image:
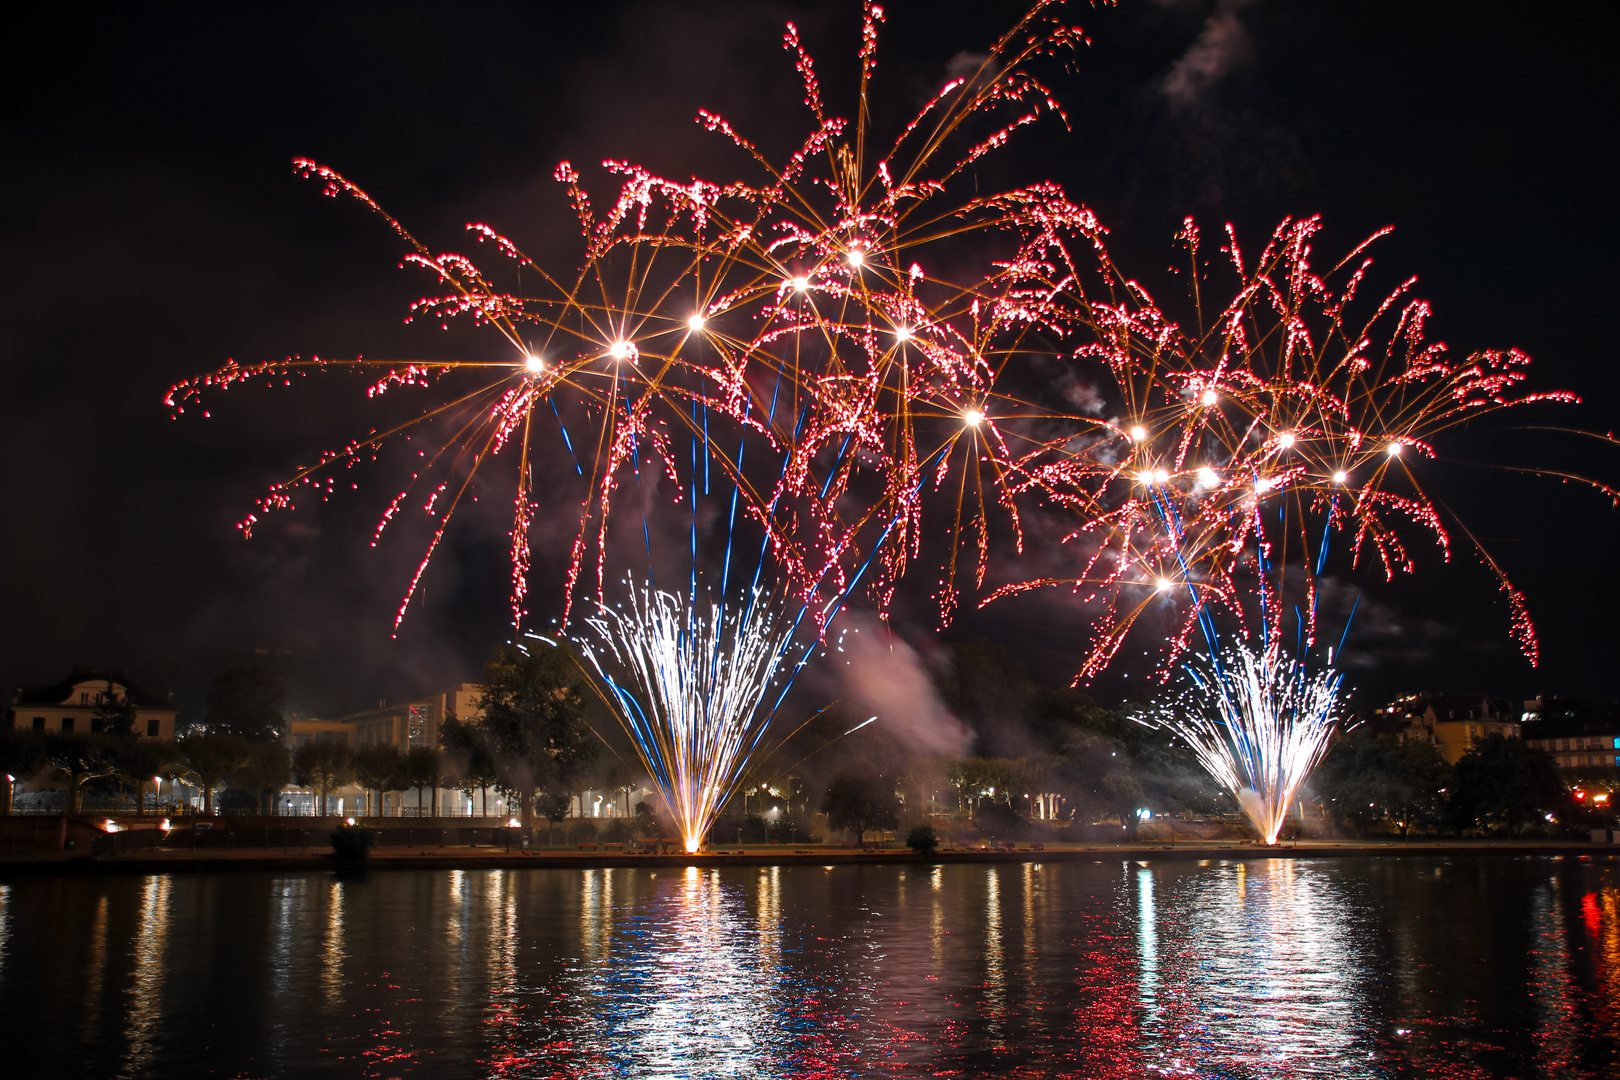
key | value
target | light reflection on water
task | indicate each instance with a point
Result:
(1275, 968)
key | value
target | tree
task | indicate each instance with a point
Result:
(139, 761)
(379, 768)
(860, 802)
(114, 714)
(322, 764)
(1122, 794)
(422, 768)
(247, 702)
(22, 754)
(84, 758)
(1507, 780)
(534, 716)
(468, 758)
(266, 771)
(209, 758)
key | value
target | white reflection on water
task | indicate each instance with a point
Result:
(332, 954)
(90, 1030)
(1552, 984)
(687, 987)
(1255, 967)
(5, 926)
(144, 1024)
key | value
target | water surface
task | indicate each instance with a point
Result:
(1450, 967)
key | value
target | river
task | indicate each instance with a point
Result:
(1468, 966)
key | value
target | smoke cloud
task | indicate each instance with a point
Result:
(884, 676)
(1223, 45)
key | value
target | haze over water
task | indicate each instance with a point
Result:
(1453, 967)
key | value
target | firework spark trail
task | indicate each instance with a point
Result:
(893, 411)
(688, 687)
(1258, 724)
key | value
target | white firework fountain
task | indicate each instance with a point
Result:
(1259, 724)
(690, 689)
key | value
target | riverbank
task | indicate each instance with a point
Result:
(494, 858)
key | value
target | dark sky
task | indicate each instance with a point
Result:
(152, 228)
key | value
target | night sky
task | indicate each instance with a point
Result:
(152, 228)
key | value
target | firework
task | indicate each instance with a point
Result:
(1253, 435)
(878, 401)
(690, 688)
(1258, 723)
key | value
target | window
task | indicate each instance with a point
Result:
(153, 727)
(1617, 742)
(67, 723)
(84, 698)
(39, 725)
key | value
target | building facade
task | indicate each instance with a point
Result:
(76, 705)
(1578, 735)
(1453, 723)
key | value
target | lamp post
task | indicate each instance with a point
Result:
(157, 793)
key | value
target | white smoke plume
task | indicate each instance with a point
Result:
(883, 676)
(1223, 44)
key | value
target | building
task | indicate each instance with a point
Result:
(408, 724)
(1578, 735)
(1453, 723)
(74, 704)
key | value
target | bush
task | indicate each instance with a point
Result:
(582, 831)
(616, 831)
(352, 843)
(922, 840)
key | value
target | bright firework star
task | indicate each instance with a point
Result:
(690, 689)
(1258, 724)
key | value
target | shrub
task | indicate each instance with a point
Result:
(616, 831)
(352, 843)
(922, 840)
(582, 831)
